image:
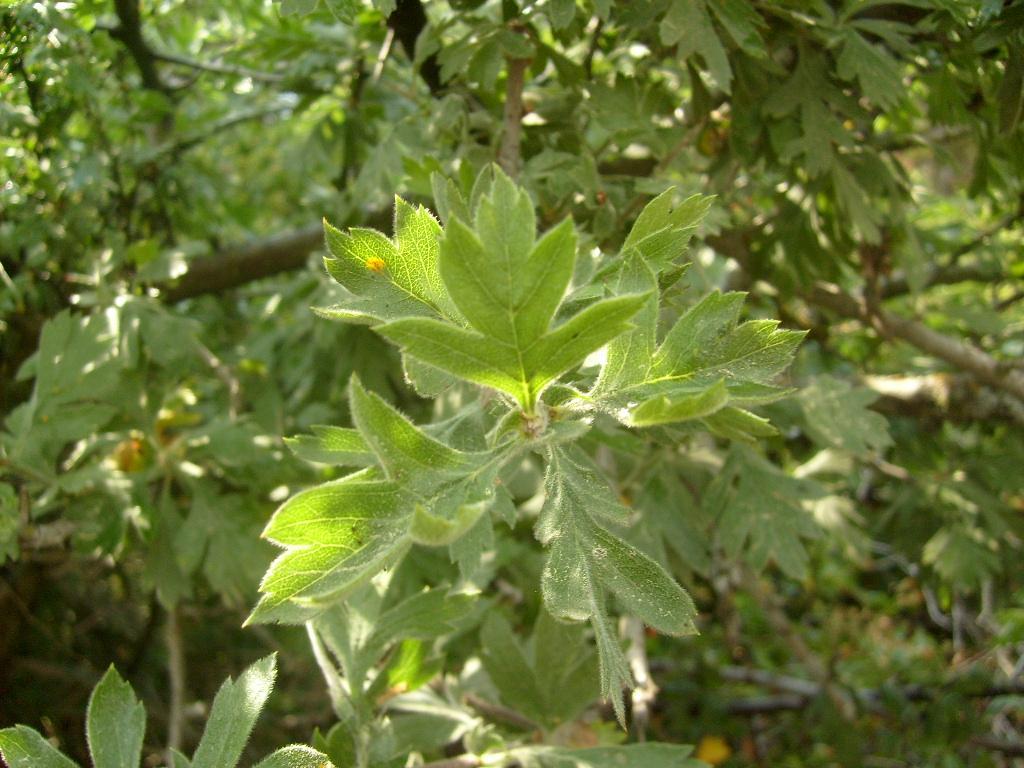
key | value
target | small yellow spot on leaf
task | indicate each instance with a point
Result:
(713, 750)
(375, 264)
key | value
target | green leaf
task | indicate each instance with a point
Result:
(706, 343)
(741, 20)
(435, 530)
(569, 344)
(298, 7)
(964, 555)
(428, 381)
(388, 278)
(629, 354)
(463, 353)
(9, 523)
(706, 361)
(739, 424)
(509, 288)
(344, 10)
(876, 71)
(341, 533)
(808, 95)
(115, 723)
(338, 535)
(423, 616)
(411, 458)
(837, 416)
(506, 294)
(760, 514)
(233, 715)
(332, 445)
(683, 407)
(509, 668)
(673, 521)
(688, 26)
(448, 489)
(662, 230)
(295, 756)
(411, 668)
(586, 558)
(634, 755)
(1011, 90)
(561, 12)
(856, 204)
(24, 747)
(550, 679)
(565, 668)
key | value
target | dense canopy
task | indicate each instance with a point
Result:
(549, 383)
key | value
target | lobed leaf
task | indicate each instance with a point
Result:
(338, 535)
(233, 714)
(115, 723)
(388, 278)
(760, 514)
(707, 361)
(586, 559)
(508, 286)
(837, 416)
(24, 747)
(295, 756)
(408, 455)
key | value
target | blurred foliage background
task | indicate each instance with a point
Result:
(164, 170)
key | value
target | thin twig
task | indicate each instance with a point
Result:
(995, 744)
(382, 54)
(784, 629)
(217, 68)
(783, 683)
(176, 680)
(509, 156)
(645, 691)
(498, 713)
(593, 45)
(684, 141)
(1009, 301)
(898, 285)
(226, 375)
(190, 142)
(982, 237)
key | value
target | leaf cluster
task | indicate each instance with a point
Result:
(484, 300)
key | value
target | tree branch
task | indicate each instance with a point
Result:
(995, 744)
(216, 68)
(509, 157)
(129, 32)
(176, 681)
(954, 397)
(498, 713)
(780, 624)
(958, 353)
(189, 142)
(796, 693)
(242, 264)
(956, 273)
(645, 691)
